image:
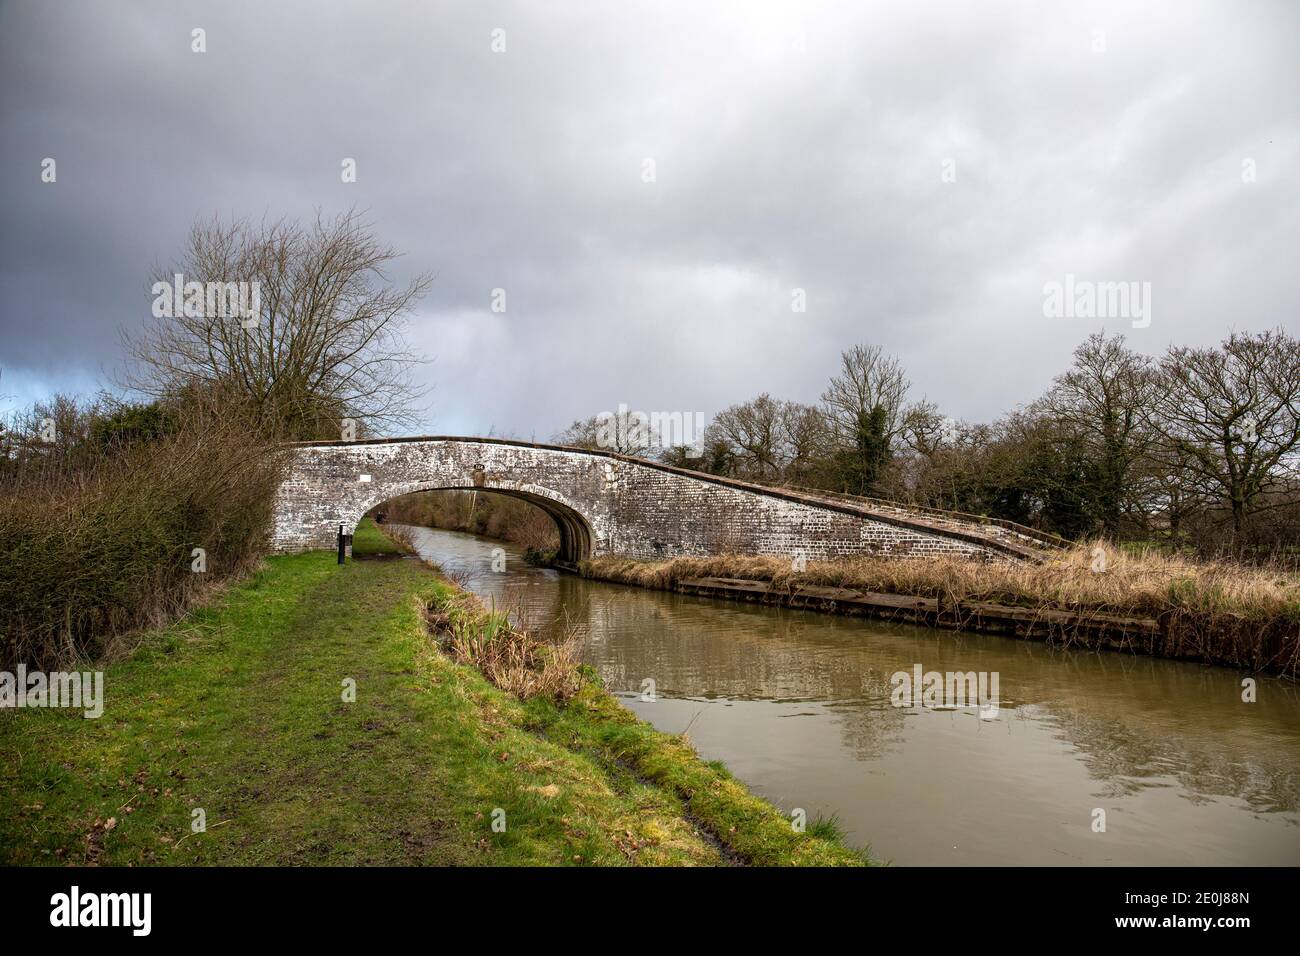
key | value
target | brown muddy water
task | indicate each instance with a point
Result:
(801, 707)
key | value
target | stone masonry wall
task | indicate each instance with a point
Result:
(604, 504)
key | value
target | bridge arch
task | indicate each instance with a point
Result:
(574, 529)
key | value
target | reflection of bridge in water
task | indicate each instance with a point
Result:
(605, 503)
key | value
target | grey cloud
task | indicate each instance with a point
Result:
(795, 146)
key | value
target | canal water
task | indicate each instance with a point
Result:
(798, 705)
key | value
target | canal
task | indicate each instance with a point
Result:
(798, 705)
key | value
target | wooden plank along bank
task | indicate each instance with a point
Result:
(1144, 635)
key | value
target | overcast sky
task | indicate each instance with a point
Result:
(794, 146)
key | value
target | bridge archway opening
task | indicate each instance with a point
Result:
(572, 531)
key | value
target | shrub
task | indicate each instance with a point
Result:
(98, 537)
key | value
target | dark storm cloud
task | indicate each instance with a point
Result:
(795, 146)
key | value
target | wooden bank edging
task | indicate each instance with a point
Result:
(1091, 630)
(1105, 629)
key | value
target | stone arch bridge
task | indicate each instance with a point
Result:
(606, 503)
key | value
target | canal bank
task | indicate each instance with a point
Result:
(1093, 599)
(798, 705)
(306, 717)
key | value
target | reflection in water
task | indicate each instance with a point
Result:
(798, 706)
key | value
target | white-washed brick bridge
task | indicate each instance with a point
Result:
(605, 503)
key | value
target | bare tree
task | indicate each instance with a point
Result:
(806, 434)
(1233, 415)
(1167, 500)
(868, 378)
(754, 431)
(768, 440)
(926, 429)
(626, 432)
(865, 406)
(321, 339)
(1102, 403)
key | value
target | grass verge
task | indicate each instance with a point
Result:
(567, 704)
(369, 542)
(238, 710)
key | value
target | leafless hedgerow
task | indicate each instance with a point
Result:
(127, 518)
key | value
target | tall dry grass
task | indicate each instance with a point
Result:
(507, 655)
(1239, 615)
